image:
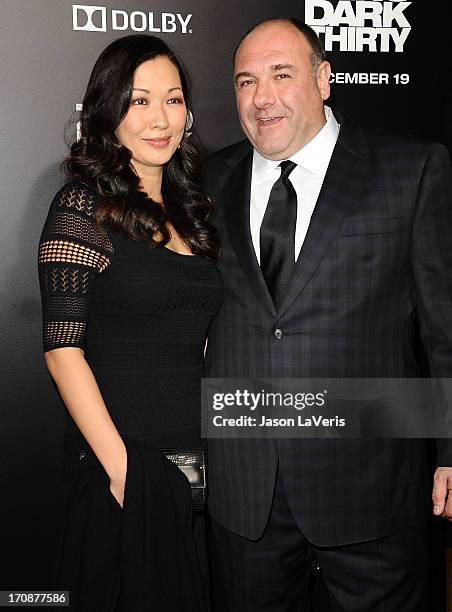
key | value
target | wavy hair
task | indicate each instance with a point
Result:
(102, 161)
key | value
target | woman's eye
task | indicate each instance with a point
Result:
(175, 101)
(139, 101)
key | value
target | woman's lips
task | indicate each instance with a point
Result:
(158, 142)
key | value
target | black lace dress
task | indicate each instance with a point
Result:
(139, 312)
(141, 315)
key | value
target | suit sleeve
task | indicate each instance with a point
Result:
(432, 269)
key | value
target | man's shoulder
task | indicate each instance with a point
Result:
(228, 156)
(382, 141)
(385, 141)
(406, 155)
(219, 166)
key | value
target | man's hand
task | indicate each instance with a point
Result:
(442, 492)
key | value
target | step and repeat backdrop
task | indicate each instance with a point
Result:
(390, 69)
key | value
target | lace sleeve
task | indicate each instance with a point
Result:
(73, 251)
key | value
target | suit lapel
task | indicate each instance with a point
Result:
(237, 220)
(348, 172)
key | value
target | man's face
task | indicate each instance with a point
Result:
(279, 97)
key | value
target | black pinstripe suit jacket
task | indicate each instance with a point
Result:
(374, 276)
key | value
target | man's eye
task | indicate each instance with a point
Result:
(245, 83)
(282, 76)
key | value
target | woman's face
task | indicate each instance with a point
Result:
(154, 124)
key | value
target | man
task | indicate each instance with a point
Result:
(336, 253)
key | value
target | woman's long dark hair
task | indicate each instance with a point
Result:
(98, 157)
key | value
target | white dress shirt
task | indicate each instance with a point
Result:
(307, 178)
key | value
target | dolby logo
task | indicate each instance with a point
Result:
(90, 18)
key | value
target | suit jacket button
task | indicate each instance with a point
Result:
(278, 333)
(315, 566)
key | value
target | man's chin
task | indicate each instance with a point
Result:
(273, 153)
(270, 148)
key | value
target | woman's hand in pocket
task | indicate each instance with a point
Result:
(118, 477)
(117, 489)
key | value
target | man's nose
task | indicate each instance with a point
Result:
(264, 95)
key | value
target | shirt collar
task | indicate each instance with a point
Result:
(314, 156)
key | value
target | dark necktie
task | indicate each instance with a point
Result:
(277, 234)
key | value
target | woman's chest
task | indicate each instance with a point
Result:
(144, 278)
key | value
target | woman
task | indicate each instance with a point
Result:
(126, 260)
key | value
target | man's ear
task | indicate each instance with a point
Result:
(323, 79)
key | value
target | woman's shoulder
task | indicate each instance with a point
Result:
(77, 196)
(72, 218)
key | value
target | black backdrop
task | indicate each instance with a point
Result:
(48, 48)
